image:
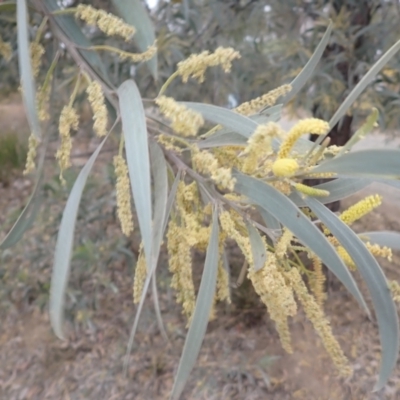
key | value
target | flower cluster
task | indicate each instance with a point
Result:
(124, 208)
(107, 23)
(196, 65)
(183, 121)
(96, 100)
(69, 120)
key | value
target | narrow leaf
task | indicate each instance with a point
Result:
(135, 324)
(25, 69)
(160, 195)
(257, 247)
(380, 162)
(271, 223)
(364, 82)
(134, 13)
(65, 238)
(290, 216)
(375, 279)
(227, 118)
(308, 70)
(201, 313)
(137, 156)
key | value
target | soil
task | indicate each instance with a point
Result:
(241, 357)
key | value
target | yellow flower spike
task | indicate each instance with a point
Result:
(107, 23)
(205, 162)
(30, 159)
(344, 255)
(311, 191)
(270, 285)
(379, 251)
(308, 125)
(268, 99)
(283, 243)
(37, 51)
(140, 276)
(5, 50)
(258, 146)
(223, 291)
(285, 167)
(229, 228)
(183, 120)
(69, 120)
(317, 281)
(319, 321)
(180, 265)
(395, 289)
(97, 102)
(196, 65)
(124, 208)
(358, 210)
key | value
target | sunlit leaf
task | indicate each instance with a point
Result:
(201, 314)
(374, 277)
(137, 157)
(134, 13)
(284, 210)
(63, 253)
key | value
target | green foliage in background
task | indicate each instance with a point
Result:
(201, 175)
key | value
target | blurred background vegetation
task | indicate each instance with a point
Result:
(275, 38)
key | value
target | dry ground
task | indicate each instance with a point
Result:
(241, 357)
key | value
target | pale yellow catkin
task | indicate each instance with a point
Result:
(5, 50)
(395, 289)
(317, 281)
(223, 292)
(107, 23)
(69, 120)
(184, 121)
(97, 103)
(308, 125)
(180, 265)
(123, 193)
(319, 321)
(206, 163)
(30, 159)
(259, 146)
(265, 100)
(140, 276)
(37, 51)
(196, 65)
(270, 285)
(360, 209)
